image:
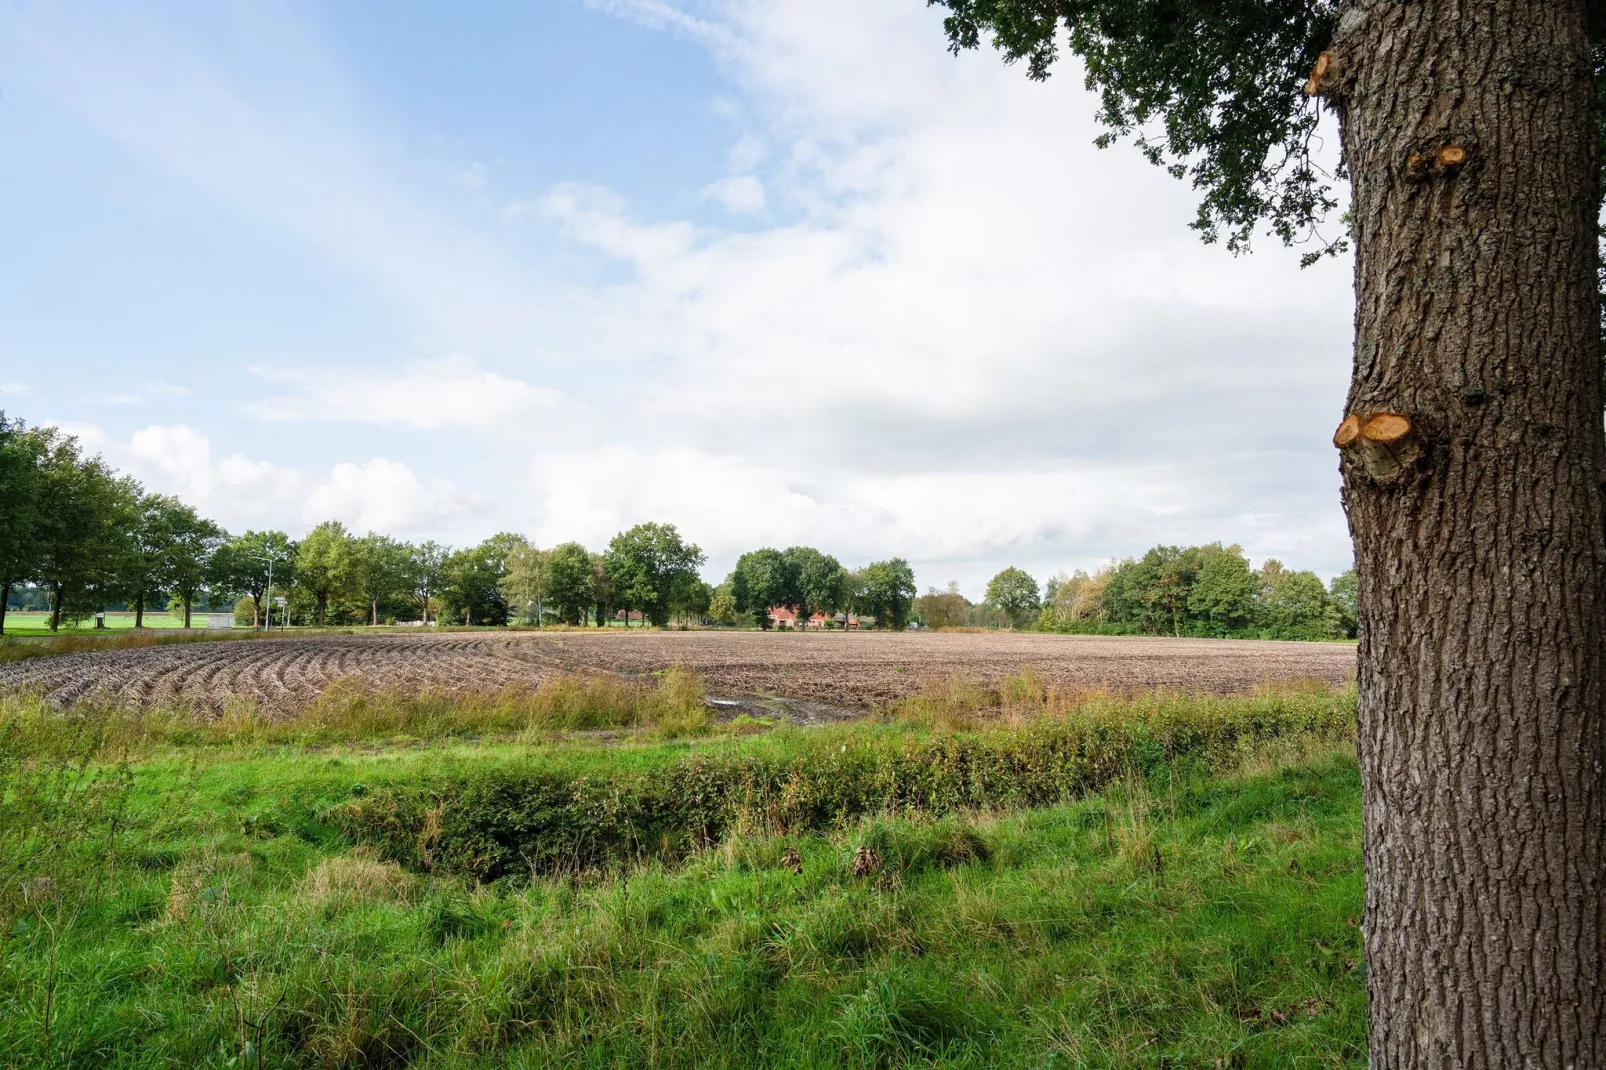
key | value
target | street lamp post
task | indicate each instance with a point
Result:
(267, 599)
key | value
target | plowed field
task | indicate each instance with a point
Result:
(848, 671)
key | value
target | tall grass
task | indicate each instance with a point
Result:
(14, 648)
(957, 702)
(352, 711)
(535, 817)
(1182, 924)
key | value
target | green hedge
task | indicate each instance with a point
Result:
(533, 820)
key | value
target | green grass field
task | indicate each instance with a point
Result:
(22, 623)
(1173, 882)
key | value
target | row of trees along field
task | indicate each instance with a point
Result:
(807, 581)
(76, 537)
(334, 577)
(1197, 591)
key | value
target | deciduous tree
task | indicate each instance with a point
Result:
(818, 581)
(943, 609)
(192, 542)
(1014, 592)
(85, 514)
(1223, 592)
(646, 563)
(764, 579)
(242, 566)
(324, 564)
(21, 453)
(379, 571)
(1472, 450)
(886, 591)
(570, 581)
(426, 572)
(526, 586)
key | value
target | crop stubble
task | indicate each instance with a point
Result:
(842, 670)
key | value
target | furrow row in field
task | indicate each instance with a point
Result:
(852, 670)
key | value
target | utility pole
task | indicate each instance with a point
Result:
(267, 599)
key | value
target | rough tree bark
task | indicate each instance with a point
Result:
(1469, 130)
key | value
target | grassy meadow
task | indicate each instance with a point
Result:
(30, 622)
(592, 873)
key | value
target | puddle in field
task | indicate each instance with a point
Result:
(797, 711)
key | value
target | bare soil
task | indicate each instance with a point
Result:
(805, 677)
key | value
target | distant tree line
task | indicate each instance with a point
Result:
(1207, 591)
(76, 537)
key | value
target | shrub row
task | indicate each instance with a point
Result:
(529, 819)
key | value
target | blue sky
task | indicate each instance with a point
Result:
(777, 272)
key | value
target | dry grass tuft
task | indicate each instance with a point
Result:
(354, 880)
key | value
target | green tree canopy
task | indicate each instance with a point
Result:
(1342, 592)
(426, 573)
(380, 572)
(1295, 605)
(818, 581)
(192, 542)
(86, 512)
(943, 609)
(324, 563)
(571, 583)
(21, 455)
(764, 578)
(886, 591)
(473, 579)
(646, 563)
(1209, 89)
(1223, 591)
(244, 564)
(1014, 592)
(526, 585)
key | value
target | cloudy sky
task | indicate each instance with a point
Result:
(774, 270)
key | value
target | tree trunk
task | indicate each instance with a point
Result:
(187, 600)
(374, 620)
(139, 610)
(55, 607)
(5, 596)
(1481, 549)
(323, 606)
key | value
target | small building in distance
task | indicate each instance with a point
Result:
(786, 617)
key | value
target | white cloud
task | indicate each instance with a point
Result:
(953, 330)
(15, 390)
(738, 193)
(453, 392)
(974, 335)
(168, 389)
(240, 492)
(386, 496)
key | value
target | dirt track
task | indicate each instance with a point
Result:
(851, 670)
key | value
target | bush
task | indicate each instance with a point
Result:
(490, 824)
